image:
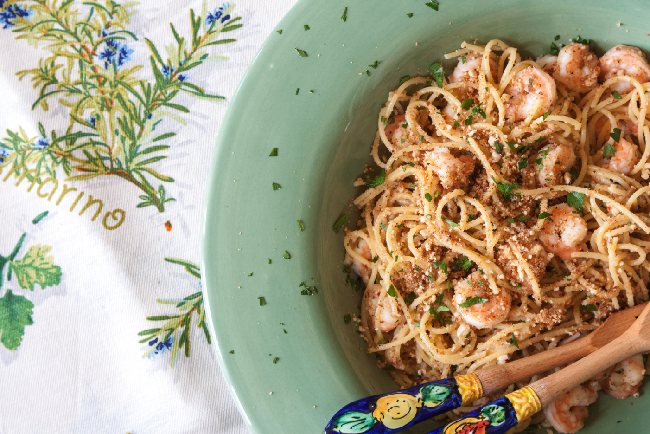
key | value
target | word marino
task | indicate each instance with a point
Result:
(49, 187)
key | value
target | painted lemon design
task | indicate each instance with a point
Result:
(396, 411)
(470, 425)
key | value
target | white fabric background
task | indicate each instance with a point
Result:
(79, 368)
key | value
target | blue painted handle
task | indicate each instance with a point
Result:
(496, 417)
(393, 412)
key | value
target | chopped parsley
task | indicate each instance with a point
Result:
(275, 360)
(375, 259)
(513, 341)
(377, 180)
(274, 152)
(523, 163)
(451, 223)
(506, 189)
(276, 186)
(428, 216)
(428, 197)
(410, 14)
(286, 255)
(309, 290)
(469, 120)
(511, 146)
(616, 134)
(471, 301)
(430, 276)
(442, 265)
(391, 291)
(404, 79)
(280, 31)
(340, 222)
(589, 307)
(609, 151)
(384, 121)
(545, 215)
(231, 352)
(580, 40)
(262, 301)
(464, 263)
(433, 4)
(344, 17)
(438, 73)
(250, 274)
(557, 37)
(499, 147)
(436, 194)
(347, 319)
(545, 115)
(306, 27)
(302, 53)
(466, 104)
(410, 297)
(302, 227)
(463, 59)
(616, 95)
(575, 199)
(574, 173)
(555, 49)
(383, 226)
(269, 261)
(620, 371)
(375, 65)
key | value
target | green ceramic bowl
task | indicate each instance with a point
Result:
(323, 135)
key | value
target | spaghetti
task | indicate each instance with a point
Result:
(510, 213)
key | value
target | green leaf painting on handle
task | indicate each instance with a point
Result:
(35, 267)
(115, 113)
(174, 334)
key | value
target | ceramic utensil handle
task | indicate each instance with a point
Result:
(392, 412)
(498, 416)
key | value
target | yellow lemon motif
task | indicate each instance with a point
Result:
(396, 411)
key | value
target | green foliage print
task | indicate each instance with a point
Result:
(35, 267)
(174, 333)
(115, 115)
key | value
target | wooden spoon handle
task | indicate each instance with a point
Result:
(550, 388)
(498, 377)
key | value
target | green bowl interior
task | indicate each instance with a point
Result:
(323, 139)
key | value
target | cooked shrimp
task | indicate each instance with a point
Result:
(623, 157)
(547, 63)
(626, 378)
(393, 354)
(624, 60)
(481, 315)
(532, 91)
(564, 233)
(453, 172)
(556, 160)
(362, 270)
(468, 69)
(577, 68)
(391, 316)
(568, 413)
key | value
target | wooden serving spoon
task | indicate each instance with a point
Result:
(392, 412)
(504, 413)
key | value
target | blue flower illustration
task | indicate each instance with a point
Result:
(4, 153)
(161, 347)
(11, 13)
(92, 121)
(167, 72)
(217, 14)
(41, 144)
(115, 53)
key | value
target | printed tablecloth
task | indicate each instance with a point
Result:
(109, 111)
